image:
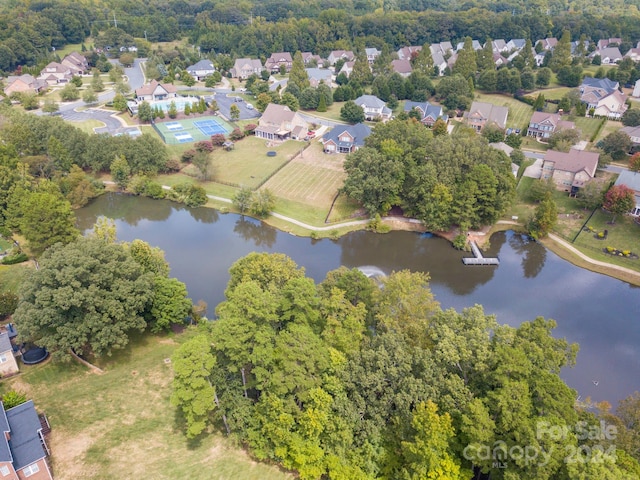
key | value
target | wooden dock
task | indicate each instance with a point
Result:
(478, 258)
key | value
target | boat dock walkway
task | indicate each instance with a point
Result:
(477, 258)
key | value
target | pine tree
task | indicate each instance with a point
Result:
(361, 71)
(562, 53)
(423, 63)
(484, 57)
(322, 104)
(298, 75)
(466, 63)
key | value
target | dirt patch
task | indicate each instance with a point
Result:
(68, 451)
(168, 341)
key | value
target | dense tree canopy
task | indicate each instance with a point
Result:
(347, 380)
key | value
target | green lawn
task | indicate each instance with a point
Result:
(519, 112)
(88, 125)
(588, 126)
(332, 113)
(121, 425)
(624, 234)
(610, 126)
(555, 93)
(12, 275)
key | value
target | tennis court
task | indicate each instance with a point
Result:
(188, 130)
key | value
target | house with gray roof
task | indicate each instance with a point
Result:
(608, 55)
(279, 123)
(23, 449)
(474, 43)
(603, 98)
(402, 67)
(243, 68)
(319, 75)
(372, 54)
(516, 44)
(429, 113)
(276, 60)
(201, 70)
(482, 114)
(373, 107)
(8, 364)
(570, 170)
(345, 138)
(631, 180)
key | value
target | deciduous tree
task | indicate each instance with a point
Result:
(619, 200)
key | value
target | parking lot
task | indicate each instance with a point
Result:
(226, 99)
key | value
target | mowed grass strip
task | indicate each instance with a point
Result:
(588, 126)
(306, 183)
(519, 112)
(122, 425)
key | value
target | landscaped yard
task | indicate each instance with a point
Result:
(519, 112)
(550, 93)
(588, 126)
(121, 425)
(12, 275)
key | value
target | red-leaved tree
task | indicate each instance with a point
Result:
(619, 200)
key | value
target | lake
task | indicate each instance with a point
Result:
(600, 313)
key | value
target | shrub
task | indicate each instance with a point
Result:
(460, 242)
(218, 139)
(236, 135)
(13, 398)
(8, 303)
(13, 259)
(626, 253)
(204, 146)
(611, 249)
(153, 190)
(188, 155)
(172, 165)
(250, 128)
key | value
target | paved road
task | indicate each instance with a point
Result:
(113, 125)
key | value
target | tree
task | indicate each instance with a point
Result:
(50, 107)
(120, 171)
(298, 75)
(242, 200)
(151, 259)
(145, 113)
(89, 96)
(120, 103)
(187, 79)
(361, 72)
(169, 304)
(322, 104)
(262, 203)
(290, 101)
(544, 218)
(172, 112)
(543, 77)
(454, 92)
(493, 133)
(634, 162)
(562, 140)
(69, 93)
(126, 59)
(561, 53)
(619, 200)
(352, 113)
(202, 162)
(193, 391)
(590, 196)
(513, 140)
(484, 57)
(616, 144)
(488, 81)
(12, 399)
(423, 62)
(466, 62)
(309, 99)
(631, 118)
(96, 83)
(86, 298)
(539, 102)
(234, 112)
(44, 218)
(439, 127)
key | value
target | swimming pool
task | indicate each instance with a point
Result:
(179, 101)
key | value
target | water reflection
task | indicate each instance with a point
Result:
(598, 312)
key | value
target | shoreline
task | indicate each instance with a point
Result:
(481, 237)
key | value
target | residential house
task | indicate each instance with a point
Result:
(574, 46)
(373, 107)
(608, 42)
(77, 63)
(439, 53)
(8, 364)
(631, 180)
(243, 68)
(539, 57)
(482, 114)
(130, 48)
(310, 58)
(499, 46)
(335, 55)
(634, 135)
(499, 60)
(23, 449)
(634, 53)
(372, 54)
(318, 76)
(636, 89)
(279, 123)
(548, 43)
(403, 67)
(429, 113)
(439, 62)
(409, 53)
(55, 73)
(570, 170)
(155, 91)
(609, 55)
(201, 70)
(276, 60)
(347, 68)
(474, 43)
(603, 98)
(516, 44)
(24, 84)
(345, 138)
(543, 125)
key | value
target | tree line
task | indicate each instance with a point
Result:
(348, 379)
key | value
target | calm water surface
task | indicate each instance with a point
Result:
(600, 313)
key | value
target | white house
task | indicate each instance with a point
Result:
(201, 70)
(373, 107)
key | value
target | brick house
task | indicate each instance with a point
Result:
(571, 170)
(543, 125)
(278, 122)
(482, 114)
(243, 68)
(276, 60)
(345, 138)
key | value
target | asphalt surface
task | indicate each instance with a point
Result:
(226, 98)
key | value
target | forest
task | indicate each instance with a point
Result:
(353, 379)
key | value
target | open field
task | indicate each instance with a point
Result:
(519, 112)
(550, 93)
(12, 275)
(121, 424)
(87, 126)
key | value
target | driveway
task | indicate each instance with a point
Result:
(225, 100)
(535, 170)
(113, 126)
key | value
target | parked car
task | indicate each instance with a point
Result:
(249, 106)
(311, 134)
(238, 99)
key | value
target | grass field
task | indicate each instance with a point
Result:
(12, 275)
(588, 126)
(519, 112)
(551, 93)
(121, 424)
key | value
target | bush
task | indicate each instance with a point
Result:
(218, 139)
(153, 190)
(460, 242)
(13, 259)
(204, 146)
(250, 128)
(172, 165)
(13, 398)
(188, 155)
(8, 303)
(236, 135)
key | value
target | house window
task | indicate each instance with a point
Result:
(4, 470)
(3, 358)
(31, 470)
